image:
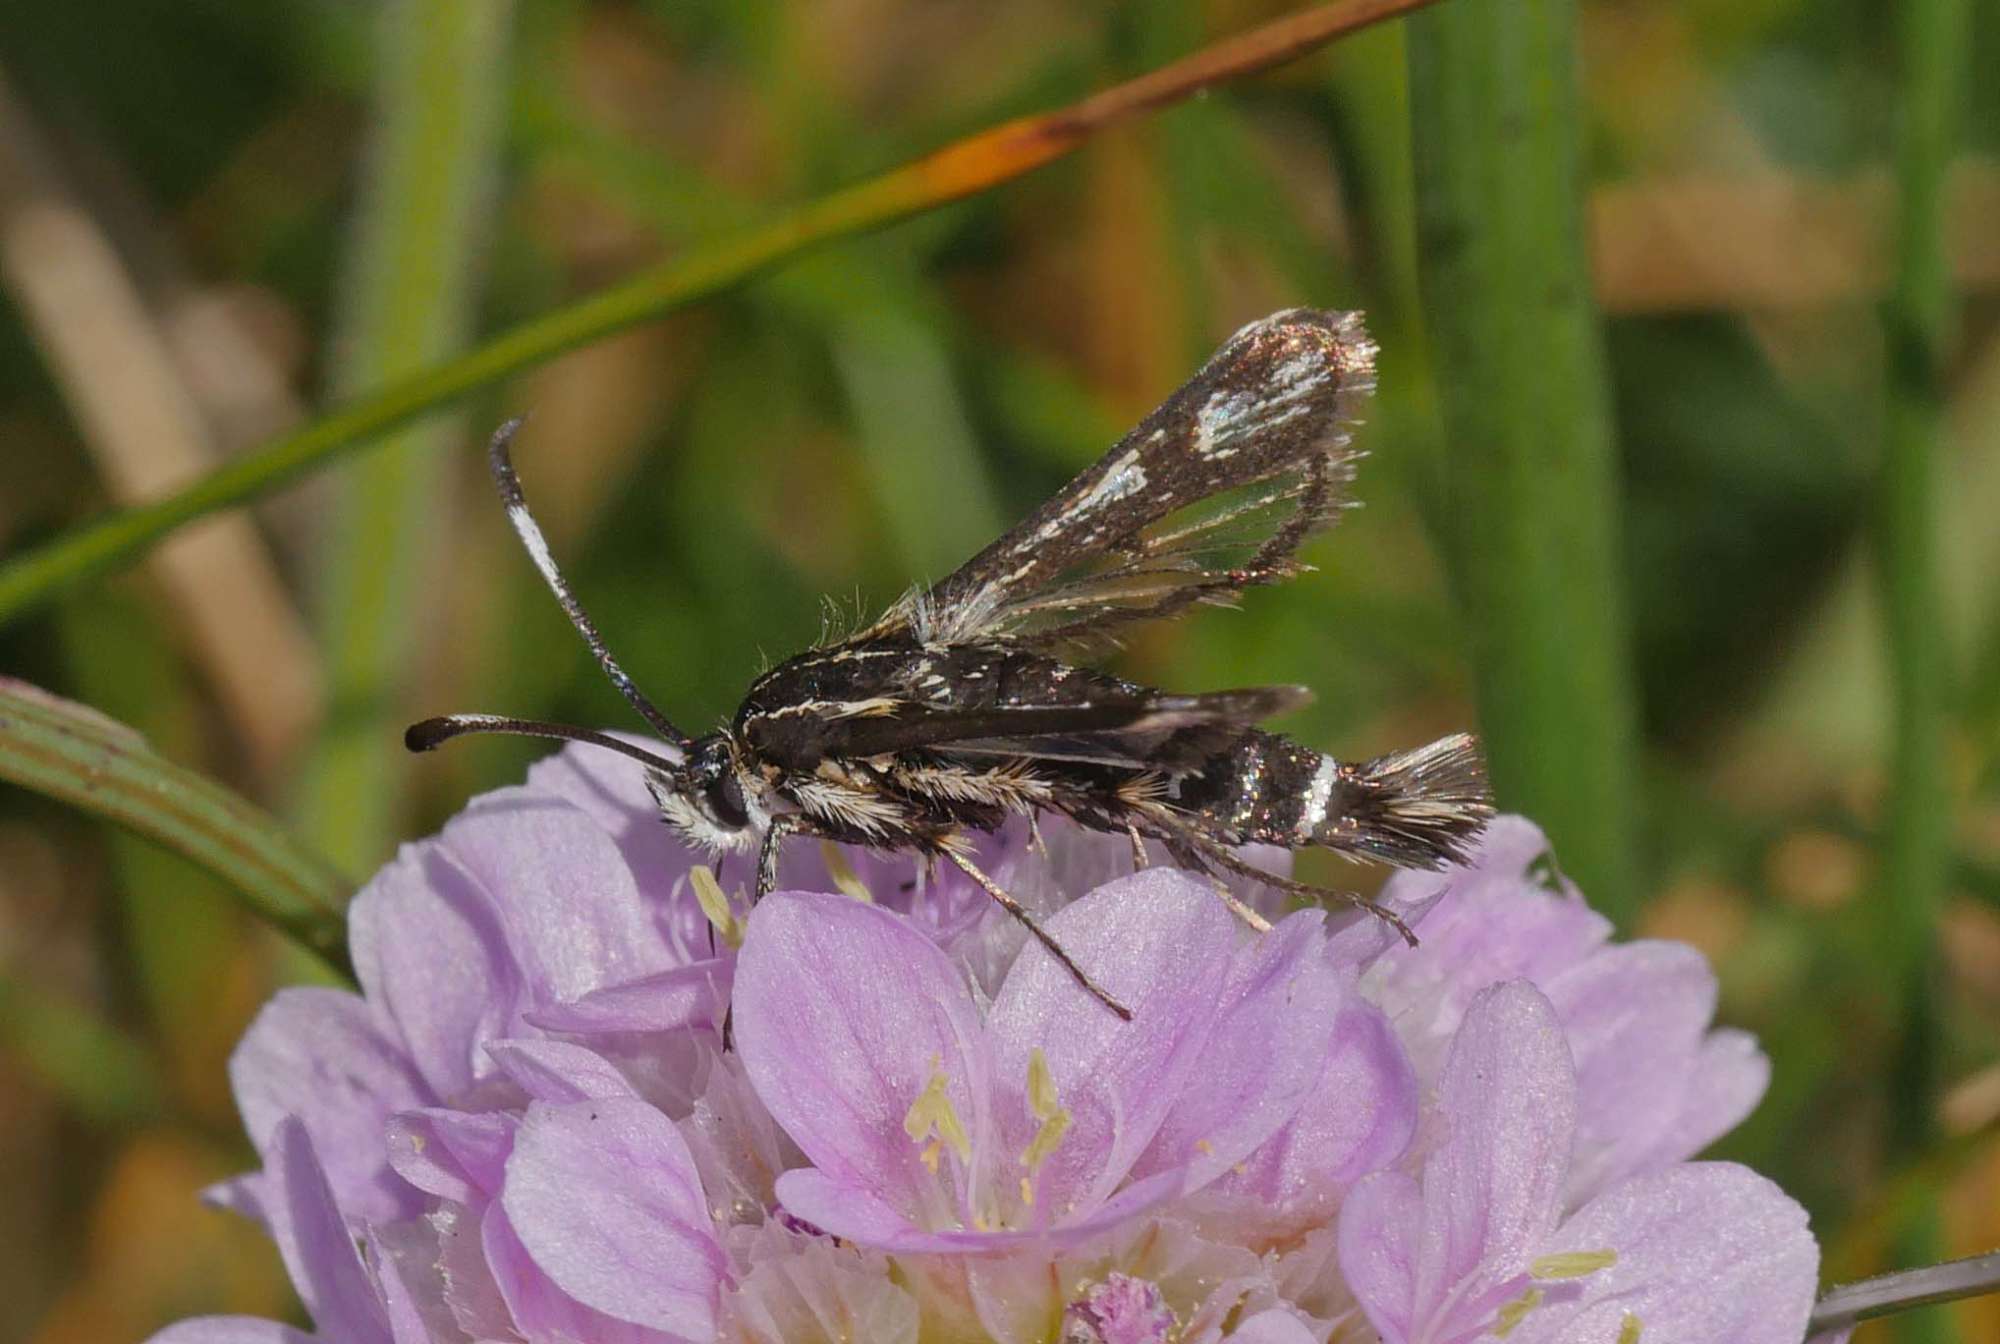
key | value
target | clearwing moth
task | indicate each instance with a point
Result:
(959, 707)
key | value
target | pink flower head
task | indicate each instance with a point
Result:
(529, 1127)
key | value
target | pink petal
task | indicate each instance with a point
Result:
(455, 1155)
(540, 1311)
(1162, 944)
(1273, 1327)
(605, 1198)
(230, 1330)
(855, 1213)
(323, 1055)
(672, 1000)
(843, 1015)
(1358, 938)
(399, 1301)
(1493, 1188)
(314, 1240)
(1267, 1054)
(1359, 1119)
(1379, 1228)
(1707, 1251)
(429, 953)
(1436, 1266)
(556, 1071)
(1729, 1078)
(610, 790)
(1634, 1015)
(565, 897)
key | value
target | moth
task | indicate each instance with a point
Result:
(961, 706)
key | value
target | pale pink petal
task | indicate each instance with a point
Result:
(1162, 944)
(854, 1213)
(604, 1196)
(1729, 1078)
(1634, 1015)
(844, 1014)
(1266, 1056)
(1491, 1190)
(857, 1215)
(323, 1055)
(1380, 1225)
(1707, 1251)
(1359, 1119)
(556, 1071)
(315, 1241)
(455, 1155)
(429, 953)
(610, 789)
(1273, 1327)
(229, 1330)
(537, 1310)
(565, 897)
(685, 997)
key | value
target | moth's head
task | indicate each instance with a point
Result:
(702, 797)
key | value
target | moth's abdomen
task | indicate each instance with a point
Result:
(1416, 809)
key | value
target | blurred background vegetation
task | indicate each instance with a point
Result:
(1772, 399)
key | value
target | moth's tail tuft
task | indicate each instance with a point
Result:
(1421, 808)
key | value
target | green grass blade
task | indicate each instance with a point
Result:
(1531, 507)
(961, 169)
(1916, 855)
(66, 751)
(416, 251)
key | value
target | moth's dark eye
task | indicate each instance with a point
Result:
(725, 800)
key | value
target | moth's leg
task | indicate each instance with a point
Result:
(1220, 855)
(1139, 859)
(1042, 935)
(1035, 842)
(782, 827)
(1189, 850)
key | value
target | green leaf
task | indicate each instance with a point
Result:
(68, 751)
(1531, 490)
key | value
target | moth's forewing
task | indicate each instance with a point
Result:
(1234, 454)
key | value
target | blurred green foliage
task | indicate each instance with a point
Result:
(871, 414)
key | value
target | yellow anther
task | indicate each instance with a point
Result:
(1628, 1333)
(930, 1155)
(1572, 1264)
(1514, 1312)
(1047, 1108)
(1042, 1098)
(932, 1113)
(845, 879)
(708, 894)
(1027, 1191)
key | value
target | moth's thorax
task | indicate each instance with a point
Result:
(791, 712)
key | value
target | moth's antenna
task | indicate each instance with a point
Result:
(537, 545)
(435, 732)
